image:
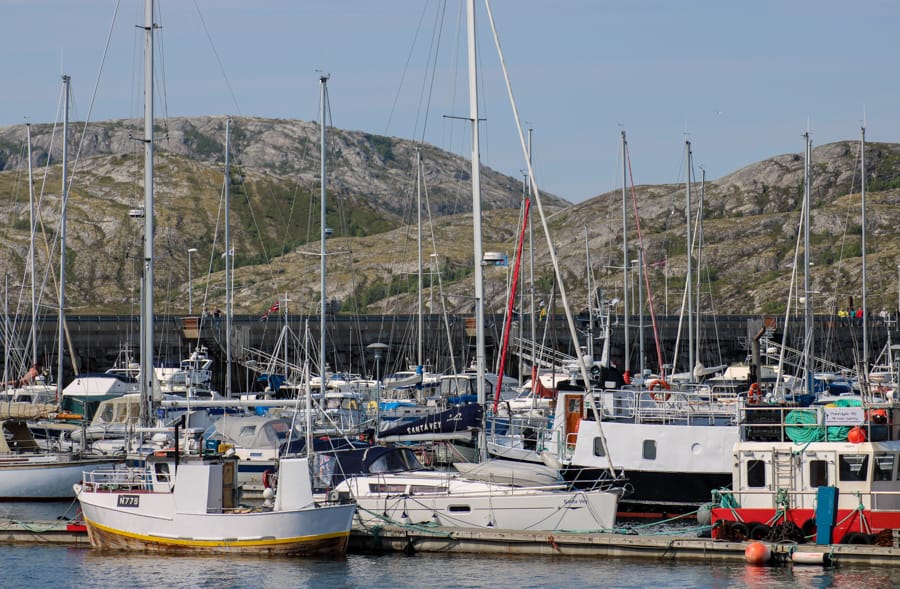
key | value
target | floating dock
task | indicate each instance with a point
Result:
(43, 532)
(412, 539)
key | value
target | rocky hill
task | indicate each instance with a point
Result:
(750, 224)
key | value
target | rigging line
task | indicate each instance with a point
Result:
(642, 258)
(441, 299)
(409, 56)
(536, 194)
(87, 120)
(212, 46)
(161, 80)
(246, 192)
(296, 191)
(435, 51)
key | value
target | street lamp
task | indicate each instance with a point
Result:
(191, 251)
(378, 349)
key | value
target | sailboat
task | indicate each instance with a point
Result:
(408, 494)
(188, 503)
(29, 471)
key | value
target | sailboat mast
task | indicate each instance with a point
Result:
(229, 257)
(533, 334)
(807, 302)
(62, 236)
(688, 273)
(31, 252)
(476, 206)
(699, 257)
(865, 307)
(625, 261)
(421, 289)
(147, 282)
(324, 96)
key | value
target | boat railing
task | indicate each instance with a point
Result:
(118, 480)
(787, 423)
(534, 433)
(666, 406)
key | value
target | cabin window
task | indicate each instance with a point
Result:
(756, 473)
(399, 489)
(599, 448)
(459, 509)
(853, 467)
(818, 473)
(649, 450)
(418, 489)
(162, 472)
(884, 467)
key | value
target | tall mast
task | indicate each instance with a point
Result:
(147, 282)
(476, 207)
(421, 301)
(31, 252)
(323, 98)
(865, 307)
(625, 260)
(229, 259)
(699, 258)
(62, 236)
(688, 272)
(807, 303)
(531, 258)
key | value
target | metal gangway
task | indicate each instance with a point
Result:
(793, 357)
(539, 354)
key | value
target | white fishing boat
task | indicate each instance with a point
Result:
(190, 504)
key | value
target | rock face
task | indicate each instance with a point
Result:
(749, 233)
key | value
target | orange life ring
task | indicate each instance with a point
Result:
(659, 384)
(754, 395)
(266, 478)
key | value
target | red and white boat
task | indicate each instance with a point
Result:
(786, 455)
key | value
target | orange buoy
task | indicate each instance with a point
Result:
(757, 553)
(856, 435)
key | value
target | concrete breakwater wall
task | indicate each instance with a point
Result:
(98, 340)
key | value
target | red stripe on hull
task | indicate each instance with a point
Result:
(848, 521)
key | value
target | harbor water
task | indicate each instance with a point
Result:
(31, 566)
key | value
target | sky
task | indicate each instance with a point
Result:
(741, 80)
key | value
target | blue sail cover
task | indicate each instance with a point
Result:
(458, 419)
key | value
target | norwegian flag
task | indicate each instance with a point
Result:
(273, 309)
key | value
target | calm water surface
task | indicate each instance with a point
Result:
(35, 567)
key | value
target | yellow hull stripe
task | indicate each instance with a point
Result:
(213, 543)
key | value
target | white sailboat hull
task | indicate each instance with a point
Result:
(437, 498)
(44, 477)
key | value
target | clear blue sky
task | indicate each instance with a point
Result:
(743, 79)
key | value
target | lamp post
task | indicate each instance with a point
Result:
(191, 251)
(378, 349)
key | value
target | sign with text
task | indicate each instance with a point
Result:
(129, 501)
(844, 416)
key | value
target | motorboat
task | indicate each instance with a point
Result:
(190, 504)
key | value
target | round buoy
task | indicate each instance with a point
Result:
(856, 435)
(757, 553)
(704, 514)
